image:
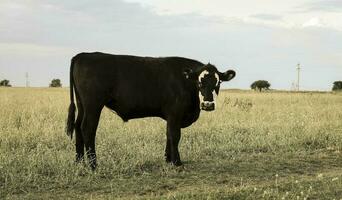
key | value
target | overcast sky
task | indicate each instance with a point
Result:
(260, 39)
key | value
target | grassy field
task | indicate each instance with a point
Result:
(254, 146)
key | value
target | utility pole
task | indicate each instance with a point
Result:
(298, 75)
(27, 79)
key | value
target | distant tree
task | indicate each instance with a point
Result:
(337, 86)
(56, 83)
(260, 85)
(5, 83)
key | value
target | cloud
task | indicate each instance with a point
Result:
(24, 49)
(322, 5)
(41, 36)
(287, 14)
(271, 17)
(313, 22)
(88, 24)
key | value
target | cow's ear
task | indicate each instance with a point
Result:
(189, 74)
(228, 75)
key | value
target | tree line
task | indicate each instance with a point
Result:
(259, 85)
(54, 83)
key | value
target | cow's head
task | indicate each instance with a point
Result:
(208, 80)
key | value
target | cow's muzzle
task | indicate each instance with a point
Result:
(208, 106)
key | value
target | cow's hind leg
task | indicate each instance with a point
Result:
(88, 127)
(79, 136)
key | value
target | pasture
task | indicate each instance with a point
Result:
(272, 145)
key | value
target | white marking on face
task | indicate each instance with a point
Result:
(201, 98)
(202, 74)
(217, 79)
(214, 97)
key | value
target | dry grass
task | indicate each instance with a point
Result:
(256, 145)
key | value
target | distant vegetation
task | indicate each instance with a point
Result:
(337, 86)
(5, 83)
(260, 85)
(55, 83)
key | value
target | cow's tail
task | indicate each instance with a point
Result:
(72, 108)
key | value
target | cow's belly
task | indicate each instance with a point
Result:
(187, 120)
(134, 112)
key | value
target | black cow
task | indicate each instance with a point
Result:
(172, 88)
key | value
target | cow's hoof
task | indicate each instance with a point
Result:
(167, 159)
(177, 163)
(93, 166)
(79, 159)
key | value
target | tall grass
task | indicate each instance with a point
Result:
(234, 152)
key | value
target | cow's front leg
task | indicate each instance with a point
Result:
(173, 137)
(167, 151)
